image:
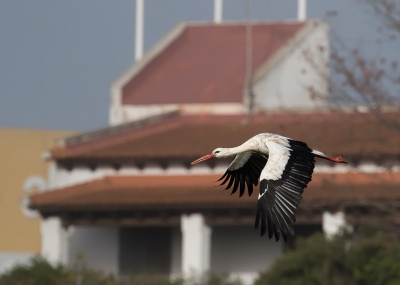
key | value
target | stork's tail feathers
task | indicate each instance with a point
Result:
(338, 159)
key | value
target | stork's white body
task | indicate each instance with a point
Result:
(261, 143)
(284, 168)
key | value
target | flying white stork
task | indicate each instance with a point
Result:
(284, 167)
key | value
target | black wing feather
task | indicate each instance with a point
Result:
(232, 178)
(247, 175)
(279, 198)
(242, 184)
(235, 186)
(249, 185)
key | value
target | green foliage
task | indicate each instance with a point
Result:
(215, 279)
(150, 280)
(39, 272)
(364, 258)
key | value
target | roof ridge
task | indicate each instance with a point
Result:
(244, 22)
(86, 136)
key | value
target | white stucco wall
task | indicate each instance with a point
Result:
(81, 174)
(128, 113)
(99, 247)
(284, 86)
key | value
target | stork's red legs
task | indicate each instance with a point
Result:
(338, 159)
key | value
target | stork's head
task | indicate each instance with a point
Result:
(218, 152)
(221, 152)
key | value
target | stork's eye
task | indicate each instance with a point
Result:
(217, 151)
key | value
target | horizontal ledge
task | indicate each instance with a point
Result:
(247, 220)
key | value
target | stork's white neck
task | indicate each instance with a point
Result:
(239, 149)
(250, 145)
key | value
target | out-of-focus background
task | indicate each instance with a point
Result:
(104, 104)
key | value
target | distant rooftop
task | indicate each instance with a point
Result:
(206, 63)
(353, 135)
(197, 192)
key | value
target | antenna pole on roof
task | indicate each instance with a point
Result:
(249, 60)
(218, 11)
(301, 10)
(139, 29)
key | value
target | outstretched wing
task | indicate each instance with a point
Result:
(286, 174)
(245, 169)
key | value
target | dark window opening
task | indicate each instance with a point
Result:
(145, 251)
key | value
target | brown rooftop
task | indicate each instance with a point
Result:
(352, 135)
(197, 192)
(206, 64)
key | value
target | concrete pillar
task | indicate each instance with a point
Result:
(301, 10)
(54, 241)
(218, 11)
(196, 245)
(54, 245)
(139, 29)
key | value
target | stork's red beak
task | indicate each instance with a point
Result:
(204, 158)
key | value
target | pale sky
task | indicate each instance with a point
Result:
(59, 58)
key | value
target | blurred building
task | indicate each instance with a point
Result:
(22, 172)
(201, 69)
(126, 196)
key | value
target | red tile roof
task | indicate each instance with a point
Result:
(188, 137)
(197, 191)
(206, 64)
